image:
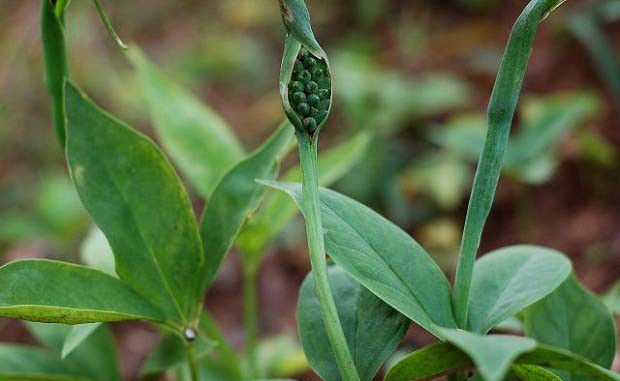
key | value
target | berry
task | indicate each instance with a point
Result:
(299, 97)
(298, 67)
(303, 109)
(304, 76)
(310, 124)
(325, 83)
(312, 87)
(321, 115)
(309, 63)
(296, 86)
(313, 99)
(324, 93)
(324, 105)
(317, 73)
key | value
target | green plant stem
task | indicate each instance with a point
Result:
(108, 25)
(56, 66)
(500, 114)
(193, 364)
(250, 314)
(227, 353)
(316, 245)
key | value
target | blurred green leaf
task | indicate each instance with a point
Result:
(612, 298)
(236, 197)
(171, 352)
(135, 197)
(59, 292)
(574, 319)
(25, 363)
(96, 252)
(281, 356)
(372, 328)
(197, 138)
(76, 337)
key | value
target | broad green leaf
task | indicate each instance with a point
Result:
(533, 373)
(135, 197)
(278, 209)
(24, 363)
(196, 137)
(372, 328)
(76, 336)
(489, 353)
(508, 280)
(96, 358)
(59, 292)
(56, 67)
(237, 196)
(502, 105)
(574, 319)
(612, 298)
(382, 258)
(492, 354)
(172, 352)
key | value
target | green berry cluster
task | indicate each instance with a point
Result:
(310, 90)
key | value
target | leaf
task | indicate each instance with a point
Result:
(58, 292)
(95, 251)
(574, 319)
(196, 137)
(533, 373)
(24, 363)
(278, 209)
(135, 197)
(440, 359)
(56, 67)
(492, 354)
(281, 356)
(237, 196)
(508, 280)
(76, 336)
(372, 328)
(96, 358)
(382, 258)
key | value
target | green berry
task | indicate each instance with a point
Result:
(314, 112)
(325, 83)
(324, 93)
(317, 73)
(296, 86)
(299, 97)
(303, 54)
(313, 99)
(324, 105)
(309, 63)
(310, 124)
(299, 66)
(303, 109)
(304, 76)
(321, 115)
(312, 87)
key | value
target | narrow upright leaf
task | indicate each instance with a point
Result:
(574, 319)
(510, 279)
(196, 137)
(383, 258)
(236, 196)
(59, 292)
(372, 328)
(135, 197)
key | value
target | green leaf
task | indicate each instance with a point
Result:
(56, 67)
(76, 336)
(278, 209)
(237, 196)
(96, 358)
(492, 354)
(135, 197)
(612, 298)
(95, 251)
(508, 280)
(197, 138)
(172, 352)
(533, 373)
(24, 363)
(429, 362)
(382, 258)
(58, 292)
(372, 328)
(574, 319)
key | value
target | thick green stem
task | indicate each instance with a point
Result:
(316, 246)
(56, 66)
(250, 315)
(500, 113)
